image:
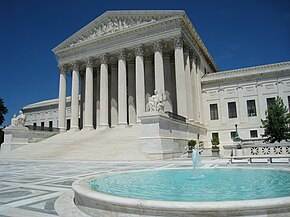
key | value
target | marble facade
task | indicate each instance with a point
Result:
(119, 59)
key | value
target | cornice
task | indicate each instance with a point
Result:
(244, 73)
(161, 18)
(197, 39)
(140, 18)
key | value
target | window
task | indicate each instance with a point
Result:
(213, 112)
(232, 109)
(68, 124)
(50, 125)
(214, 135)
(270, 101)
(253, 133)
(42, 126)
(251, 106)
(34, 126)
(233, 134)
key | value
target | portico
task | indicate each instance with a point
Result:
(119, 59)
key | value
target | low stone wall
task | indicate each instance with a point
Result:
(249, 148)
(18, 136)
(164, 137)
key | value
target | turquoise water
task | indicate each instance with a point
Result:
(213, 185)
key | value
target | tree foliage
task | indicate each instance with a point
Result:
(277, 122)
(3, 111)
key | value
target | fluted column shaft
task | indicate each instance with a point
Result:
(180, 78)
(122, 89)
(149, 79)
(131, 94)
(194, 89)
(140, 83)
(104, 92)
(75, 98)
(188, 87)
(62, 100)
(158, 66)
(114, 95)
(89, 95)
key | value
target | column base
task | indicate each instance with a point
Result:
(102, 127)
(74, 129)
(122, 125)
(62, 130)
(87, 128)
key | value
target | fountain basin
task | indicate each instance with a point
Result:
(96, 203)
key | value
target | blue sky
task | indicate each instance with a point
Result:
(238, 34)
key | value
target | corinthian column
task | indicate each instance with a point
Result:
(140, 83)
(194, 89)
(62, 99)
(75, 97)
(180, 78)
(114, 95)
(158, 66)
(104, 98)
(122, 89)
(89, 95)
(188, 86)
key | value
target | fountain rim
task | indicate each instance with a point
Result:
(82, 189)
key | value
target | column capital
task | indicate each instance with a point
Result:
(62, 68)
(104, 59)
(76, 66)
(186, 49)
(139, 50)
(89, 62)
(178, 42)
(158, 46)
(121, 54)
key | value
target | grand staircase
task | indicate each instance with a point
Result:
(120, 143)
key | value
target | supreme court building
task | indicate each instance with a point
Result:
(119, 59)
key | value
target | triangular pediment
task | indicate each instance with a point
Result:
(113, 22)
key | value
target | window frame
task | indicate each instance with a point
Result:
(214, 114)
(232, 113)
(256, 133)
(251, 107)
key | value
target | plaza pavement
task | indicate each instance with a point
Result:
(30, 188)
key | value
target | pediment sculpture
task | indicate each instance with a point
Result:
(112, 25)
(156, 102)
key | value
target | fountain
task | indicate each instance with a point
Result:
(185, 192)
(195, 162)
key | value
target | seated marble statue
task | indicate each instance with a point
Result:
(156, 102)
(19, 120)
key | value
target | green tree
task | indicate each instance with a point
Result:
(3, 111)
(277, 122)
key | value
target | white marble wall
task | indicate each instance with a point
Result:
(239, 91)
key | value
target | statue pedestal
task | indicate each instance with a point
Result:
(163, 137)
(14, 137)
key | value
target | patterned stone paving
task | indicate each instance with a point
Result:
(30, 188)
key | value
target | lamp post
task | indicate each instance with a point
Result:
(237, 137)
